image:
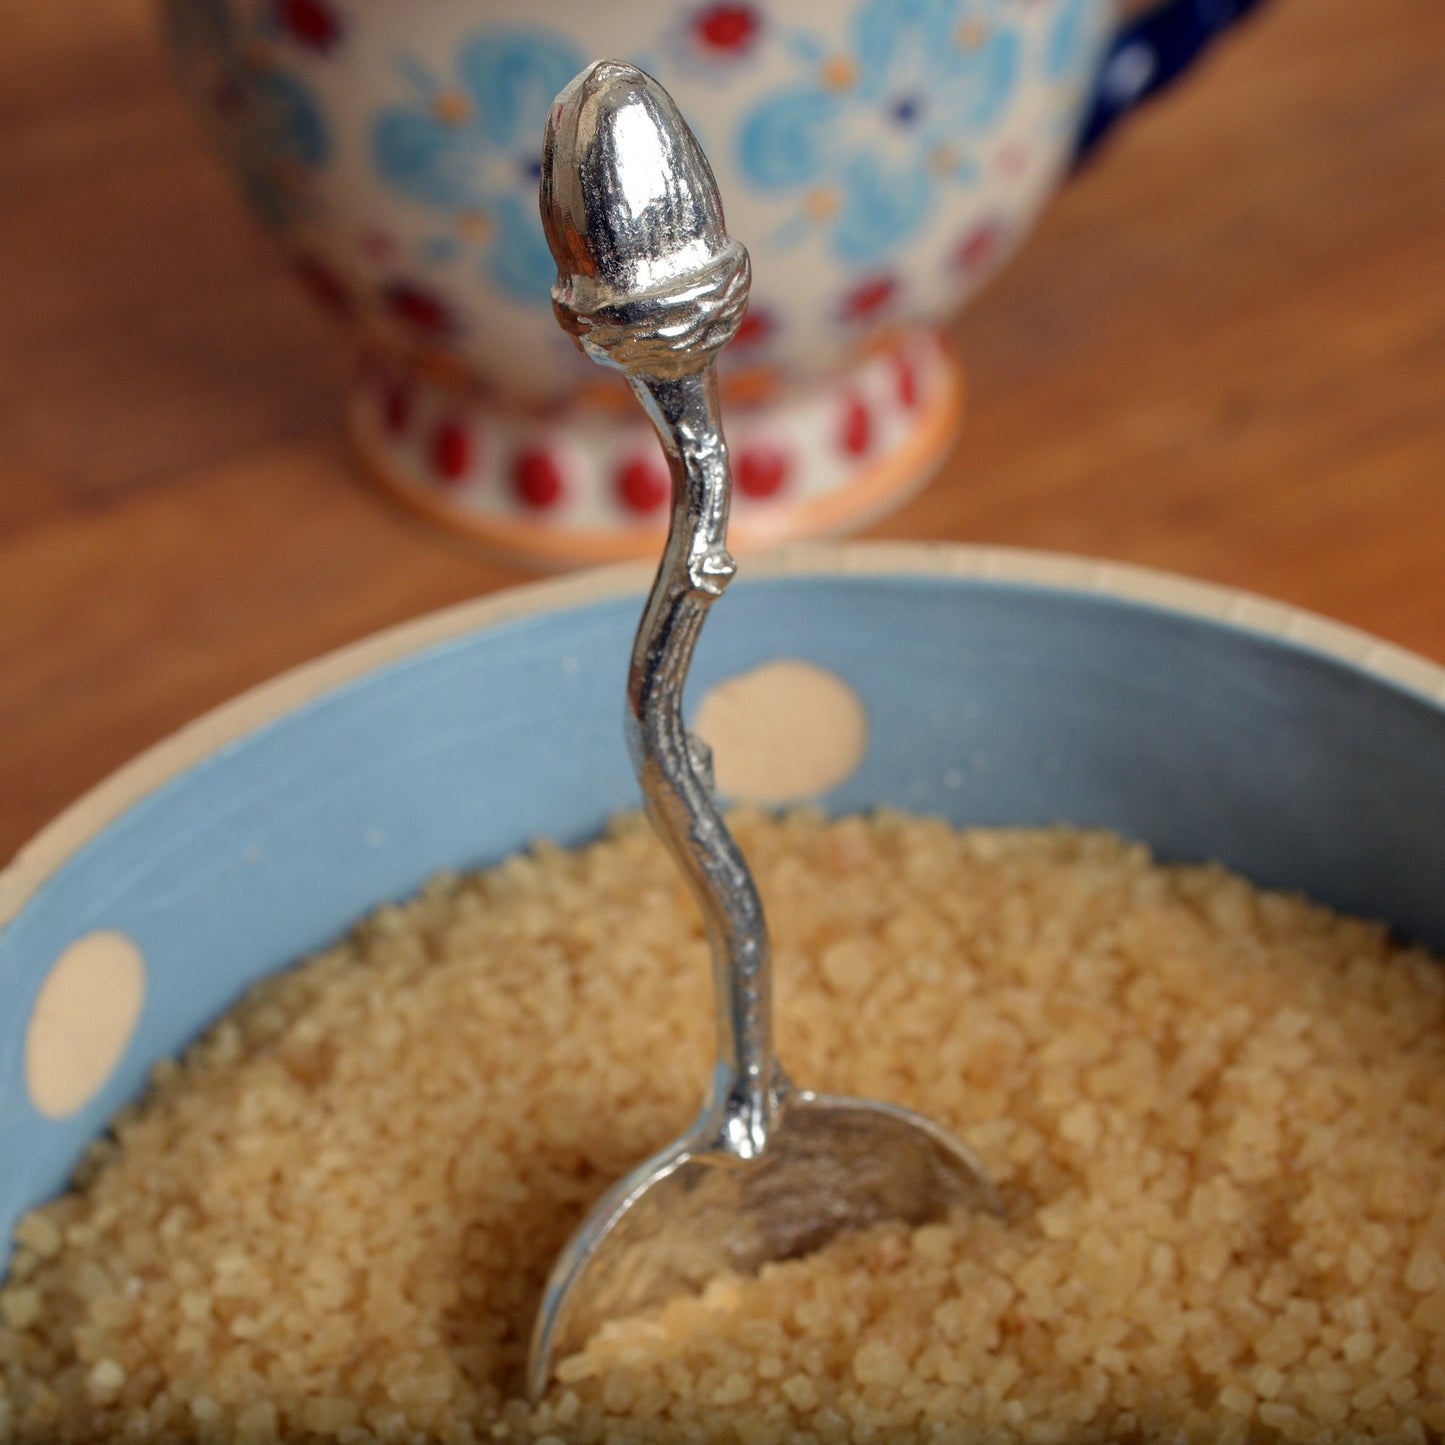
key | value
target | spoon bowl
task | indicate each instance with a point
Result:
(693, 1213)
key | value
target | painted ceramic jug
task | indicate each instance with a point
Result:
(879, 158)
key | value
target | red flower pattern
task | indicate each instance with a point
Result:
(642, 485)
(451, 453)
(418, 308)
(857, 428)
(757, 327)
(396, 408)
(761, 472)
(312, 23)
(907, 381)
(869, 298)
(726, 29)
(324, 284)
(980, 248)
(537, 479)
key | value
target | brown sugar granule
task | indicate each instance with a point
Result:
(1217, 1115)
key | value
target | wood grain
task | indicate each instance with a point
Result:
(1223, 352)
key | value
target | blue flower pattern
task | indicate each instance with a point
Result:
(263, 115)
(930, 75)
(1070, 47)
(290, 120)
(487, 163)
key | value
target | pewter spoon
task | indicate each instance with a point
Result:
(650, 283)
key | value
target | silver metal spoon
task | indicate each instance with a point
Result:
(650, 283)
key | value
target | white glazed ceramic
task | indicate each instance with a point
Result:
(878, 157)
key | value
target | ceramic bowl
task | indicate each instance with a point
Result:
(990, 686)
(879, 158)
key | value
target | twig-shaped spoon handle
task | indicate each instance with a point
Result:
(649, 282)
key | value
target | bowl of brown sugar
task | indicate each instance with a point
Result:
(320, 1024)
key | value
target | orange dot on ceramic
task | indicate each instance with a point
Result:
(943, 160)
(475, 225)
(821, 203)
(451, 107)
(972, 33)
(782, 732)
(82, 1021)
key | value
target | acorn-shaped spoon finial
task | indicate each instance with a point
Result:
(648, 278)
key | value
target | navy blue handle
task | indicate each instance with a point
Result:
(1150, 52)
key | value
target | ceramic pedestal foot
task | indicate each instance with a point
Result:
(591, 486)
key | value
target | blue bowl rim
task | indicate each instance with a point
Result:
(1059, 573)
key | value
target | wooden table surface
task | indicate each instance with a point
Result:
(1223, 353)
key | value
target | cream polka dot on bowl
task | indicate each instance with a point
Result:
(82, 1021)
(782, 732)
